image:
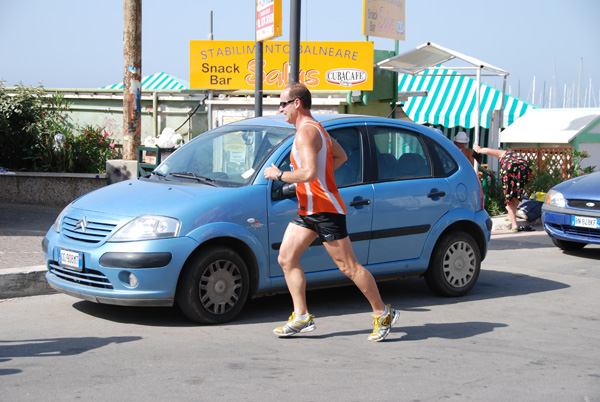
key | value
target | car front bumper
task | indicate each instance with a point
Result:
(143, 273)
(558, 225)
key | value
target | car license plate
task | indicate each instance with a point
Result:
(70, 259)
(585, 222)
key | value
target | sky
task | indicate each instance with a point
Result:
(79, 44)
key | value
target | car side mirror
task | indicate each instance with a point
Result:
(288, 190)
(283, 191)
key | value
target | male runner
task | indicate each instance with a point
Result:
(321, 212)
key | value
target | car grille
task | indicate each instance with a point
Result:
(88, 277)
(584, 233)
(94, 231)
(581, 204)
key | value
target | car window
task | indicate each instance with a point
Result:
(276, 188)
(351, 171)
(228, 156)
(400, 154)
(348, 174)
(447, 162)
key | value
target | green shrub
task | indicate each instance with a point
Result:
(576, 169)
(544, 180)
(37, 135)
(495, 203)
(20, 117)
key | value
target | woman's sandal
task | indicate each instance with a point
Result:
(523, 229)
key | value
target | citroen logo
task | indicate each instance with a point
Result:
(81, 224)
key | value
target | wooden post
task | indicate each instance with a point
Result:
(132, 77)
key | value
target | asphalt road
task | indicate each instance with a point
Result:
(529, 331)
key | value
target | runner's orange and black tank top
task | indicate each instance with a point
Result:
(320, 195)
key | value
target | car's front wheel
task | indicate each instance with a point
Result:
(454, 266)
(568, 245)
(213, 286)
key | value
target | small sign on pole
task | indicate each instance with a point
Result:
(384, 18)
(268, 19)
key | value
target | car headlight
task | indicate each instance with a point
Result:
(555, 199)
(147, 227)
(56, 225)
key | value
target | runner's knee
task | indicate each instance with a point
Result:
(349, 269)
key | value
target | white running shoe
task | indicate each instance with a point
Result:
(295, 326)
(383, 324)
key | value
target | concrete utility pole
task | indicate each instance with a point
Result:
(132, 77)
(258, 81)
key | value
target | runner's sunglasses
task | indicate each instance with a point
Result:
(285, 103)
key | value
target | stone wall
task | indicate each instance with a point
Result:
(56, 189)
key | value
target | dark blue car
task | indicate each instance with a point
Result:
(571, 212)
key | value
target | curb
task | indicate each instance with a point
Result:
(23, 282)
(501, 223)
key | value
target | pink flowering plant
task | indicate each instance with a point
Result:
(576, 158)
(79, 150)
(91, 148)
(75, 149)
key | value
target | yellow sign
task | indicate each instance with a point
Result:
(323, 65)
(268, 19)
(384, 18)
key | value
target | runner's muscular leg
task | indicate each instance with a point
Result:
(342, 253)
(296, 240)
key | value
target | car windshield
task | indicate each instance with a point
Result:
(228, 156)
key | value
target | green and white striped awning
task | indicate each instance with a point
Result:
(451, 100)
(157, 81)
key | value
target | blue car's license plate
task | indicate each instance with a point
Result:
(585, 222)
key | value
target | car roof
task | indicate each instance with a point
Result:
(279, 120)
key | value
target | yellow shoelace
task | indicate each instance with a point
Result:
(375, 324)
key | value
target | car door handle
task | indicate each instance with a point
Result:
(359, 203)
(436, 194)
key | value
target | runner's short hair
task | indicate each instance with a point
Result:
(300, 91)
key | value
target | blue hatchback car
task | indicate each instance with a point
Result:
(204, 229)
(571, 212)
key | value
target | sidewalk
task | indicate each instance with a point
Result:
(22, 267)
(23, 227)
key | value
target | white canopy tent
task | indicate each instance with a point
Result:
(426, 58)
(550, 126)
(579, 128)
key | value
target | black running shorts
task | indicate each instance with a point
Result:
(327, 225)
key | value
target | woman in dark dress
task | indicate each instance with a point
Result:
(515, 173)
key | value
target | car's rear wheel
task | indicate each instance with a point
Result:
(213, 286)
(454, 266)
(568, 245)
